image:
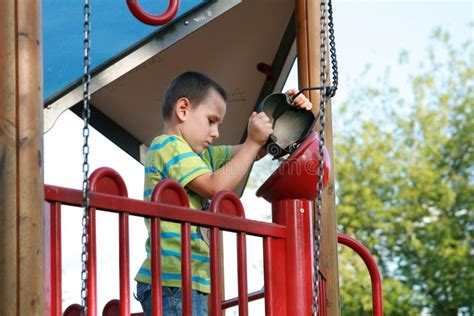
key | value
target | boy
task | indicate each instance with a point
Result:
(193, 108)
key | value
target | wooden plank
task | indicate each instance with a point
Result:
(22, 280)
(8, 157)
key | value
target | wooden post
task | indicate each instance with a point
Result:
(308, 42)
(22, 280)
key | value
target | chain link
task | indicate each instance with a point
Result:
(319, 200)
(332, 50)
(85, 152)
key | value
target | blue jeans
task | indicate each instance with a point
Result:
(171, 300)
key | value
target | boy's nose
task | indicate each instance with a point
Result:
(215, 133)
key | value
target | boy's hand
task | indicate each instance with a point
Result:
(259, 128)
(301, 101)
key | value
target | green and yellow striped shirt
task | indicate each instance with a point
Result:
(171, 157)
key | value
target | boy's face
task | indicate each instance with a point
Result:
(201, 126)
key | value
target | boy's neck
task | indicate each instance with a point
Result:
(172, 130)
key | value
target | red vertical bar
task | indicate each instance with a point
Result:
(216, 284)
(92, 265)
(156, 300)
(322, 306)
(186, 268)
(48, 262)
(56, 264)
(124, 257)
(274, 264)
(296, 215)
(242, 274)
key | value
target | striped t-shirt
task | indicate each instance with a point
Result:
(171, 157)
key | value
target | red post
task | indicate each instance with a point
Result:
(186, 268)
(216, 282)
(296, 215)
(156, 300)
(124, 265)
(55, 267)
(242, 274)
(92, 265)
(275, 278)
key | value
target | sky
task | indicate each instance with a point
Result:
(367, 32)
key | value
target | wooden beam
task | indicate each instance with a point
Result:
(22, 280)
(308, 48)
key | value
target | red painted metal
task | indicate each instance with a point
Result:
(364, 253)
(216, 282)
(73, 310)
(124, 265)
(274, 265)
(53, 297)
(287, 246)
(56, 277)
(156, 301)
(295, 178)
(117, 204)
(254, 296)
(151, 19)
(48, 266)
(322, 308)
(226, 202)
(169, 192)
(112, 308)
(107, 180)
(297, 216)
(92, 264)
(186, 268)
(242, 274)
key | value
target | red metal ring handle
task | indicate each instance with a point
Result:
(151, 19)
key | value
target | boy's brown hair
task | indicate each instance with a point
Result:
(192, 85)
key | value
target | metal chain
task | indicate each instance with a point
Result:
(330, 91)
(332, 50)
(85, 152)
(319, 201)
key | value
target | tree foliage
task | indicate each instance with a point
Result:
(405, 188)
(404, 184)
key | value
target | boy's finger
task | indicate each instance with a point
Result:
(263, 115)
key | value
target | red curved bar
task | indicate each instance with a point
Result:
(170, 192)
(364, 253)
(151, 19)
(107, 180)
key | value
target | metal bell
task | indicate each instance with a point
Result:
(290, 124)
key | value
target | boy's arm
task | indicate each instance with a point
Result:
(231, 174)
(261, 153)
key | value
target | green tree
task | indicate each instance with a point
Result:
(405, 173)
(405, 188)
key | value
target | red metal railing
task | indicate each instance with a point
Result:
(286, 246)
(364, 253)
(108, 193)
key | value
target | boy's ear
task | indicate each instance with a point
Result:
(183, 106)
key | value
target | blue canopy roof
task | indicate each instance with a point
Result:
(114, 29)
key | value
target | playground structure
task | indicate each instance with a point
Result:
(37, 276)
